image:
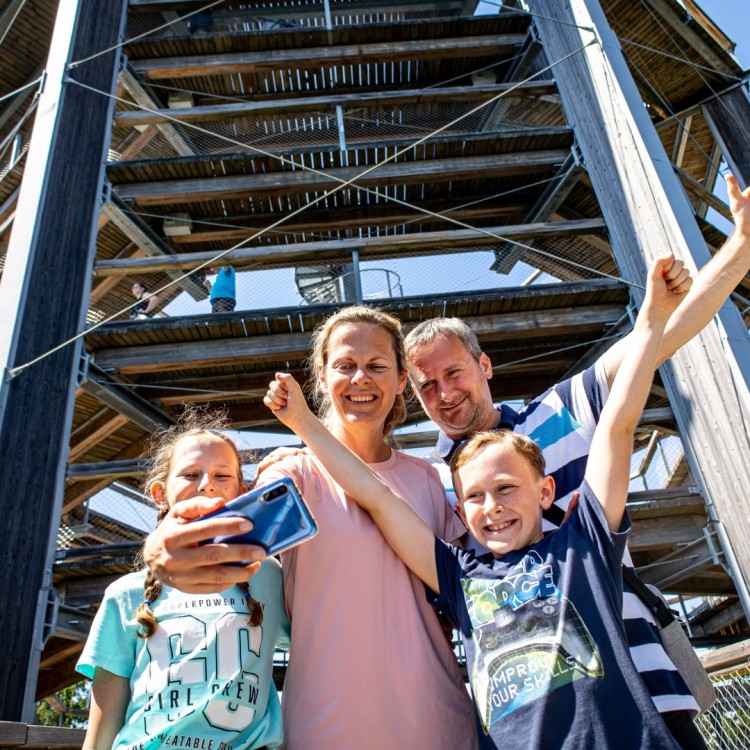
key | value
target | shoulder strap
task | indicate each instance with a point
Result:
(656, 605)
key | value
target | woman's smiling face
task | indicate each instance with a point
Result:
(361, 376)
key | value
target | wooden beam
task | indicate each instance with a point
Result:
(704, 195)
(8, 208)
(9, 109)
(736, 656)
(298, 145)
(728, 116)
(123, 400)
(682, 26)
(369, 247)
(403, 173)
(495, 45)
(214, 353)
(133, 227)
(359, 100)
(9, 14)
(111, 470)
(79, 492)
(551, 198)
(659, 533)
(723, 619)
(241, 227)
(102, 287)
(681, 140)
(144, 98)
(106, 423)
(31, 736)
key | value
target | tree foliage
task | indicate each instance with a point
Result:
(74, 698)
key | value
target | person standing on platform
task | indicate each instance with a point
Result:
(146, 307)
(223, 290)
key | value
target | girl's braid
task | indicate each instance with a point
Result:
(151, 591)
(253, 605)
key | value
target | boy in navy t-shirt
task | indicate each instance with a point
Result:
(541, 617)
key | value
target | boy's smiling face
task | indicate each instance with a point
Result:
(502, 498)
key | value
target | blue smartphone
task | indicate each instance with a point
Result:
(281, 518)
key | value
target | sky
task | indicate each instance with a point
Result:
(733, 18)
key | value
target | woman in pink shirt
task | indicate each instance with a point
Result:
(370, 666)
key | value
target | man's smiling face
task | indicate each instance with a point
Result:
(453, 387)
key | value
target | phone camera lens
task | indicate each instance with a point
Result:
(274, 493)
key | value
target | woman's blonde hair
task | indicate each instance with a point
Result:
(355, 315)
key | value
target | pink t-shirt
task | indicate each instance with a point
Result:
(370, 665)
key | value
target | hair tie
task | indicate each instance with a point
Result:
(146, 602)
(246, 595)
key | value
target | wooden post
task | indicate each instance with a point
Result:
(45, 286)
(647, 212)
(728, 117)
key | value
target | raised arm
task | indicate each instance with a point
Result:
(403, 529)
(713, 285)
(608, 466)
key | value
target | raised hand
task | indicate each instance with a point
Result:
(739, 205)
(665, 288)
(676, 275)
(286, 400)
(173, 554)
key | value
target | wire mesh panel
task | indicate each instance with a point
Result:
(726, 726)
(243, 18)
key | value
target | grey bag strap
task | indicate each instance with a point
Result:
(656, 605)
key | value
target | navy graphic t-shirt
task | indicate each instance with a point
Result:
(545, 645)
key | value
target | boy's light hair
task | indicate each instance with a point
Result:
(523, 445)
(452, 328)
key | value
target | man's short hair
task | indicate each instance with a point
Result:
(523, 445)
(427, 331)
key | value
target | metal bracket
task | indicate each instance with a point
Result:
(70, 623)
(711, 536)
(577, 154)
(50, 615)
(82, 376)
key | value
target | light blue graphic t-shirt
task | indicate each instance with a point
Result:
(205, 678)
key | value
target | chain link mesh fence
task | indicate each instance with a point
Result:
(242, 18)
(726, 726)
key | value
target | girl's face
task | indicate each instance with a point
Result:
(202, 466)
(361, 377)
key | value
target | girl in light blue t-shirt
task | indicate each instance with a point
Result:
(188, 670)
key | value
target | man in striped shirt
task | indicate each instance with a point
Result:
(450, 374)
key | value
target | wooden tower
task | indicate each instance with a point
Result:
(513, 166)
